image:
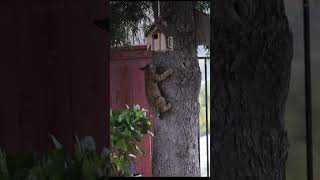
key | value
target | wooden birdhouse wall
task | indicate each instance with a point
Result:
(163, 42)
(155, 41)
(149, 42)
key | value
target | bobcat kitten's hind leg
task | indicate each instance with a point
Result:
(156, 113)
(166, 108)
(163, 105)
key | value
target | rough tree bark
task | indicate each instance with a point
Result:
(175, 148)
(252, 53)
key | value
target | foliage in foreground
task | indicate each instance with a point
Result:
(127, 126)
(86, 164)
(127, 129)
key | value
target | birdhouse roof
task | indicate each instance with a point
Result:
(160, 25)
(154, 28)
(200, 12)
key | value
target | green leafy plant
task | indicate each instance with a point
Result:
(127, 129)
(86, 164)
(3, 166)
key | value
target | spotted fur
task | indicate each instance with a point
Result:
(155, 99)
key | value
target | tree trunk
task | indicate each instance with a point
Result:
(176, 147)
(251, 71)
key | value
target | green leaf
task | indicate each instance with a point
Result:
(4, 177)
(135, 134)
(132, 128)
(88, 171)
(127, 119)
(37, 172)
(126, 133)
(55, 165)
(144, 130)
(118, 163)
(120, 118)
(19, 164)
(139, 114)
(77, 153)
(140, 150)
(122, 145)
(56, 143)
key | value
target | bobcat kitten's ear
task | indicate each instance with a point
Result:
(145, 67)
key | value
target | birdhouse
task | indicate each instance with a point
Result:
(156, 39)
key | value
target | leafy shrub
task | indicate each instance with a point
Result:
(86, 164)
(127, 129)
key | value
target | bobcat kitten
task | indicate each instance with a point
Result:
(156, 101)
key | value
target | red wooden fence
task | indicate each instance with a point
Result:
(127, 87)
(52, 73)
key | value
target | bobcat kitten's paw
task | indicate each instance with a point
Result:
(168, 106)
